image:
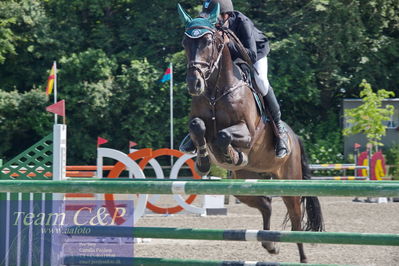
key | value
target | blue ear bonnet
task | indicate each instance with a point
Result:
(198, 27)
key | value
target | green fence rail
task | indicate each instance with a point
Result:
(80, 261)
(313, 188)
(236, 235)
(242, 180)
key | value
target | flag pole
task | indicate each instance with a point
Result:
(171, 110)
(55, 90)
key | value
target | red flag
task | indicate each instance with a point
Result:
(101, 141)
(57, 108)
(357, 146)
(167, 76)
(132, 144)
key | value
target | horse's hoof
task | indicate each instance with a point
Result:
(304, 260)
(223, 139)
(242, 160)
(187, 146)
(201, 174)
(271, 247)
(202, 171)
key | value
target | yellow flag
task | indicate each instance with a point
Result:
(50, 80)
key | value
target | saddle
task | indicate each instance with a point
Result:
(245, 70)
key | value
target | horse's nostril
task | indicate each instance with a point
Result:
(190, 79)
(198, 85)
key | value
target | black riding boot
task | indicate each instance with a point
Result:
(187, 145)
(282, 138)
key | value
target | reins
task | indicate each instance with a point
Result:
(240, 47)
(213, 100)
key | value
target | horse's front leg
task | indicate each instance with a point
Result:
(262, 203)
(229, 141)
(197, 134)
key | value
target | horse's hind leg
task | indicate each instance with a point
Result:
(197, 134)
(262, 203)
(293, 205)
(292, 169)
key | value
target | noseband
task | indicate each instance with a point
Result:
(195, 65)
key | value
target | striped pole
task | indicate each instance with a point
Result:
(235, 235)
(307, 181)
(336, 166)
(313, 188)
(339, 178)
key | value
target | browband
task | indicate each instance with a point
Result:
(201, 27)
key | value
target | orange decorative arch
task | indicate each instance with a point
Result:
(146, 155)
(190, 163)
(114, 173)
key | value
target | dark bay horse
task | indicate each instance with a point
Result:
(228, 131)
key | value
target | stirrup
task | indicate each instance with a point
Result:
(187, 145)
(281, 146)
(282, 155)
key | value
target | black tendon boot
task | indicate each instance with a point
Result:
(187, 145)
(271, 103)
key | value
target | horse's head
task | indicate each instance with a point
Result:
(203, 46)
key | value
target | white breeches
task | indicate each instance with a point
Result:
(261, 67)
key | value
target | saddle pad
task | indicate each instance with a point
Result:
(260, 107)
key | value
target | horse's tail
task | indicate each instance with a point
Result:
(312, 204)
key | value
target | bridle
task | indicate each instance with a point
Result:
(212, 99)
(195, 65)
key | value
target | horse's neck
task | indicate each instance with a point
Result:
(223, 77)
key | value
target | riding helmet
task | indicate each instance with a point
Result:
(226, 6)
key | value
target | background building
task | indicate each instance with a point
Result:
(392, 133)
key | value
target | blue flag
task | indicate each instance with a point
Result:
(167, 75)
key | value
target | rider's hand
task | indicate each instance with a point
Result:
(226, 39)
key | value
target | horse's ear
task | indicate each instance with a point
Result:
(213, 17)
(184, 17)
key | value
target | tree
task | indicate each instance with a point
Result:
(112, 53)
(368, 117)
(23, 120)
(24, 44)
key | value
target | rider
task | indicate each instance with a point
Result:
(257, 48)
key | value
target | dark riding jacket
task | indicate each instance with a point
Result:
(254, 41)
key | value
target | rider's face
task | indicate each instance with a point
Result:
(223, 17)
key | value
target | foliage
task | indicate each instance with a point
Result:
(25, 32)
(327, 149)
(111, 55)
(323, 142)
(392, 158)
(22, 120)
(218, 171)
(369, 116)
